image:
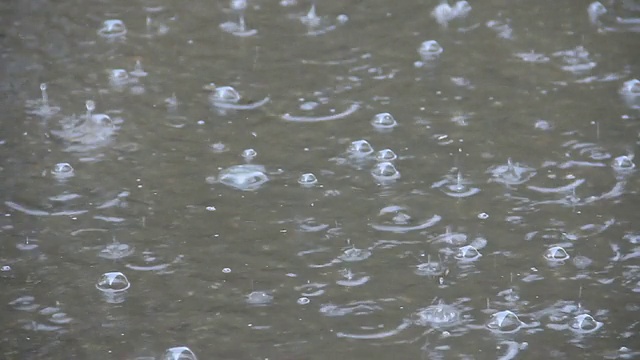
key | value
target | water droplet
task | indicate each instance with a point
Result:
(62, 171)
(303, 301)
(623, 164)
(595, 10)
(259, 298)
(226, 270)
(631, 88)
(115, 251)
(355, 254)
(112, 29)
(225, 94)
(430, 268)
(138, 71)
(483, 216)
(511, 173)
(360, 149)
(556, 254)
(118, 78)
(113, 282)
(438, 315)
(504, 321)
(41, 107)
(467, 253)
(384, 122)
(430, 50)
(584, 323)
(386, 155)
(249, 154)
(385, 171)
(246, 177)
(307, 179)
(179, 353)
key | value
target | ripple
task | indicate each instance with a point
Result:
(293, 118)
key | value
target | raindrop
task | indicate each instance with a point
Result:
(113, 282)
(511, 173)
(116, 250)
(307, 179)
(456, 186)
(112, 29)
(303, 301)
(556, 254)
(584, 323)
(138, 71)
(444, 12)
(384, 122)
(467, 253)
(226, 270)
(41, 107)
(249, 154)
(504, 321)
(240, 28)
(360, 149)
(62, 171)
(385, 171)
(430, 50)
(244, 177)
(623, 164)
(595, 11)
(118, 78)
(179, 353)
(430, 268)
(483, 216)
(630, 91)
(386, 155)
(225, 94)
(355, 254)
(259, 298)
(438, 315)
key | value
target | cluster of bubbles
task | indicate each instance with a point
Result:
(95, 129)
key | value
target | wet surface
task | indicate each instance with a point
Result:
(288, 180)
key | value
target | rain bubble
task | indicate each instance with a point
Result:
(113, 282)
(259, 298)
(504, 321)
(179, 353)
(630, 91)
(112, 29)
(62, 171)
(244, 177)
(385, 171)
(430, 50)
(307, 179)
(595, 10)
(386, 155)
(467, 253)
(623, 164)
(556, 254)
(225, 94)
(360, 148)
(584, 323)
(118, 78)
(384, 122)
(303, 301)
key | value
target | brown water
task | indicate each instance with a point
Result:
(510, 143)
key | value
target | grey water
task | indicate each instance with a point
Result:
(321, 179)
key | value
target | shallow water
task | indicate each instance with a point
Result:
(503, 227)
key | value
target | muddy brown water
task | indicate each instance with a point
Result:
(513, 146)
